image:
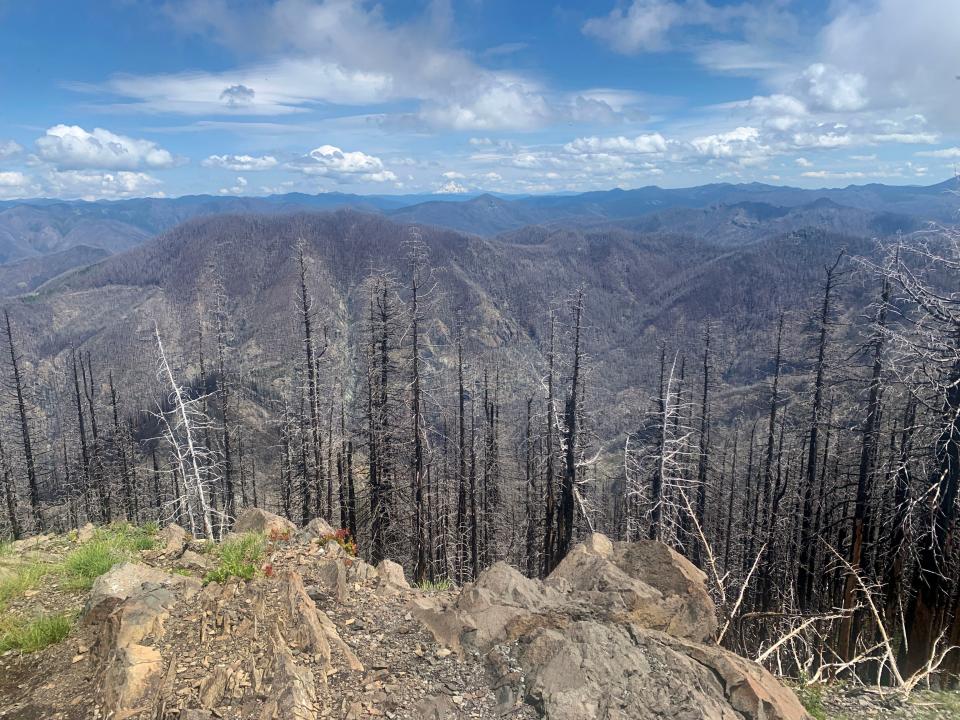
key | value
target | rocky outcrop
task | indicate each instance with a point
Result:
(255, 520)
(122, 582)
(131, 603)
(618, 630)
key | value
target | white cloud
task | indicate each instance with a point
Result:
(803, 162)
(72, 147)
(952, 153)
(92, 185)
(906, 51)
(641, 145)
(453, 175)
(744, 145)
(237, 189)
(641, 27)
(276, 88)
(451, 187)
(241, 163)
(343, 166)
(341, 52)
(15, 184)
(828, 88)
(831, 175)
(9, 148)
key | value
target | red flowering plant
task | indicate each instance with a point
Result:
(343, 539)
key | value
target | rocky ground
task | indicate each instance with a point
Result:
(617, 632)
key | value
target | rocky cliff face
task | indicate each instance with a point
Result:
(618, 631)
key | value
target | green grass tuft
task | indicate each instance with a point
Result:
(239, 556)
(436, 585)
(24, 577)
(6, 548)
(89, 561)
(110, 545)
(35, 634)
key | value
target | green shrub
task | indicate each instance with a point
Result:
(6, 548)
(35, 634)
(239, 556)
(812, 698)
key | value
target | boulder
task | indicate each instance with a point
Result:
(619, 630)
(362, 571)
(391, 578)
(198, 562)
(331, 577)
(643, 582)
(174, 540)
(255, 520)
(123, 581)
(316, 528)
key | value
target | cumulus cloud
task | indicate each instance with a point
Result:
(744, 145)
(828, 88)
(241, 163)
(92, 185)
(451, 187)
(72, 147)
(15, 184)
(342, 52)
(343, 166)
(641, 145)
(906, 51)
(9, 148)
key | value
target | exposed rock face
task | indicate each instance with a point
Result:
(260, 521)
(619, 631)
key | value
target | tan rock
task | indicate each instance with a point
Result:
(643, 582)
(256, 520)
(391, 578)
(174, 539)
(86, 533)
(131, 678)
(293, 693)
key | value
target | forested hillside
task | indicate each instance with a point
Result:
(780, 404)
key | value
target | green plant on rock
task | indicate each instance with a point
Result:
(239, 556)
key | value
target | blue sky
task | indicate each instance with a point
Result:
(120, 98)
